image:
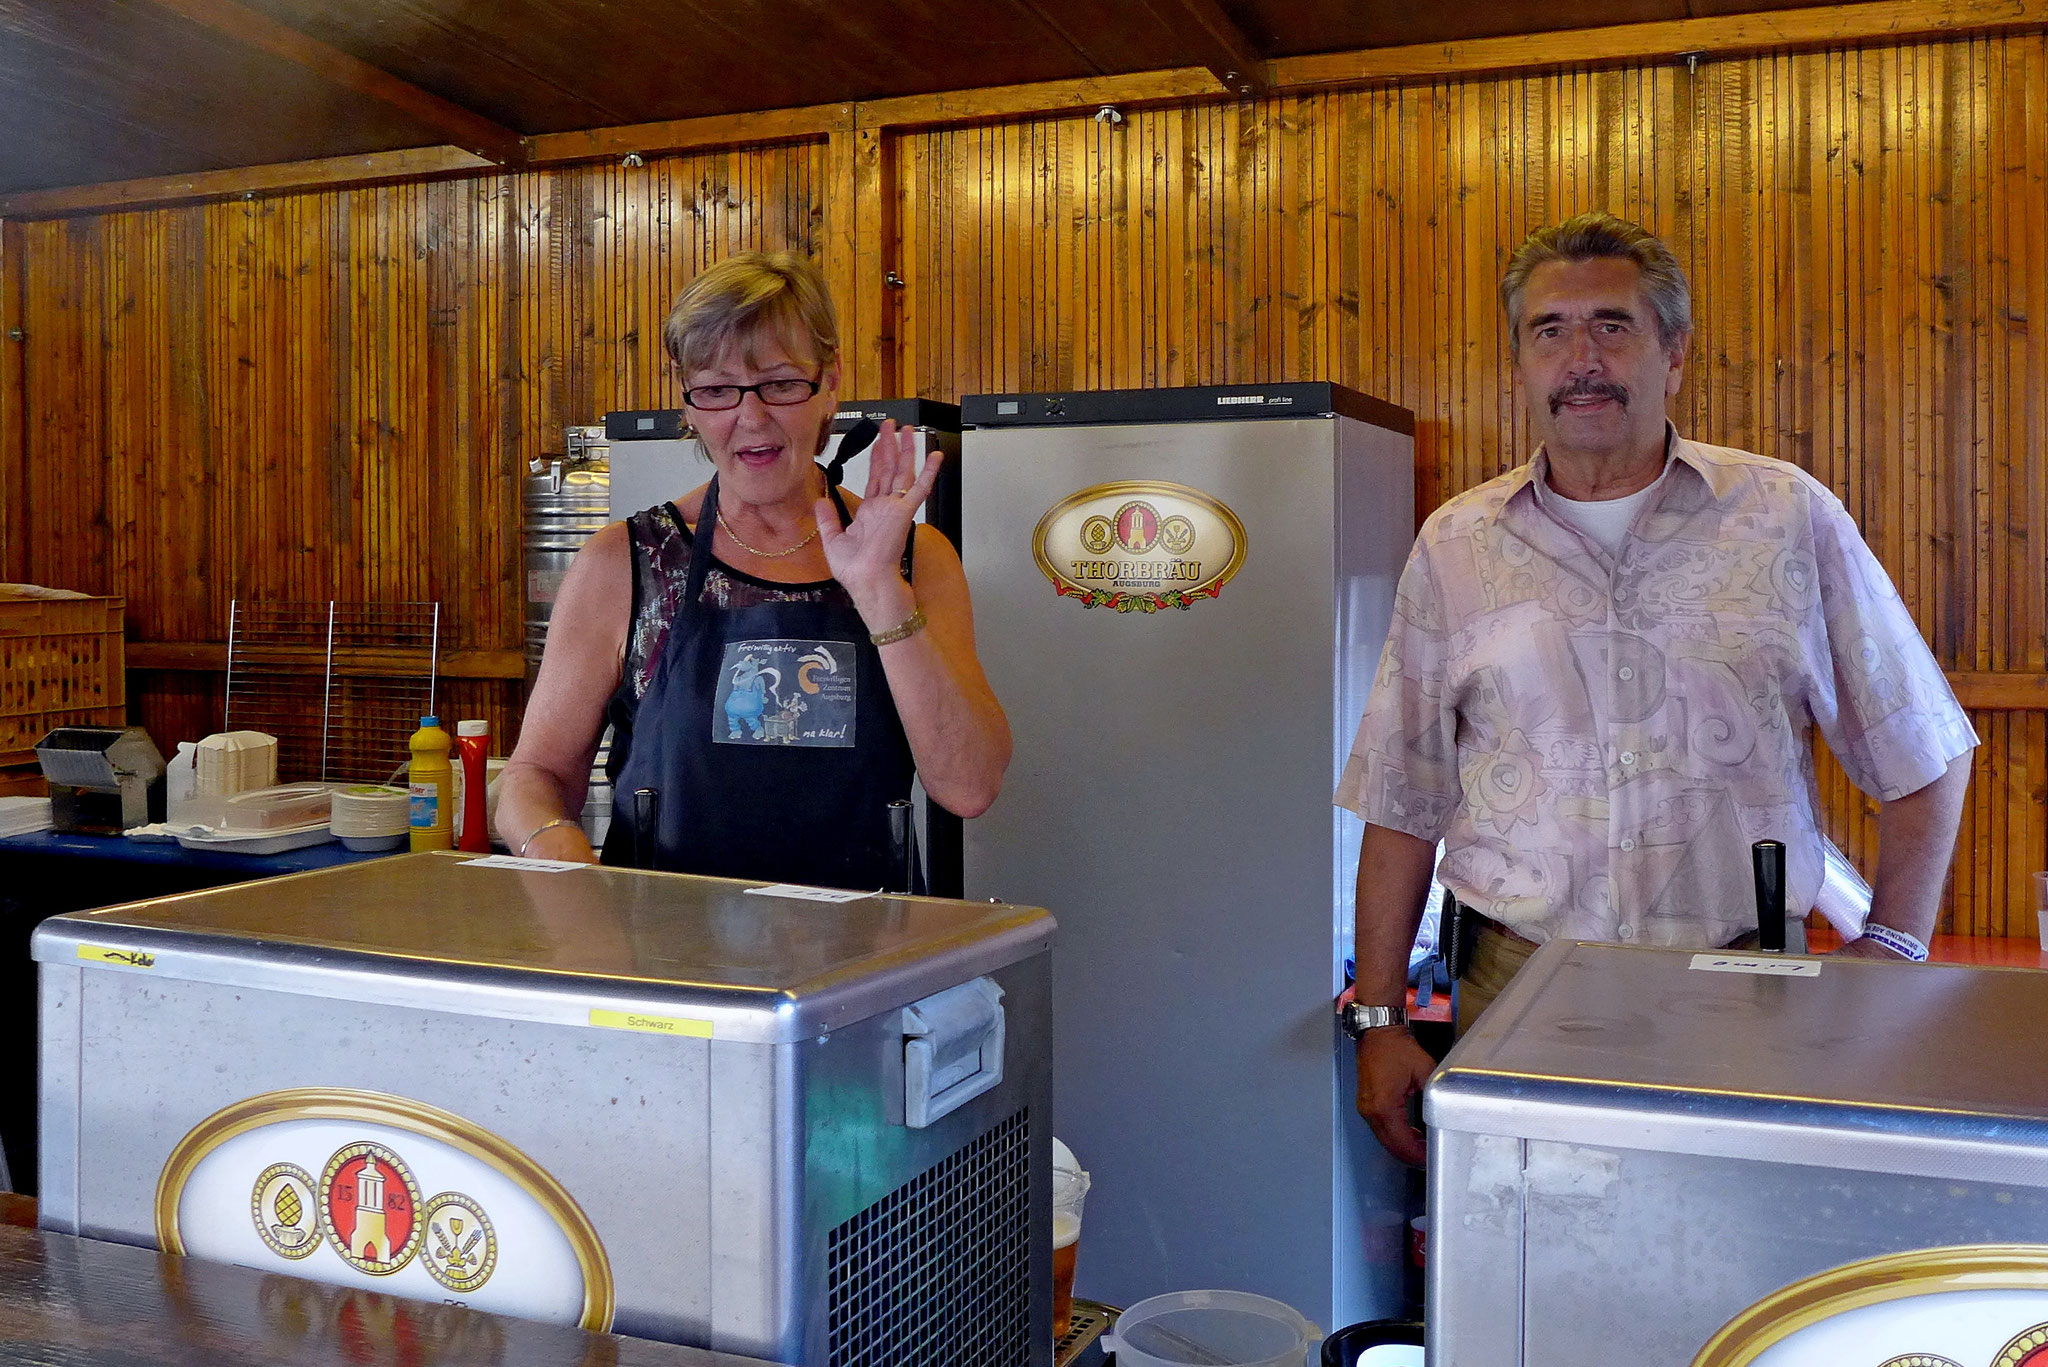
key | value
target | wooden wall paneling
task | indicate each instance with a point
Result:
(877, 255)
(13, 403)
(2017, 423)
(66, 472)
(465, 505)
(176, 705)
(1974, 397)
(130, 342)
(841, 258)
(1013, 314)
(1088, 346)
(2026, 418)
(1480, 365)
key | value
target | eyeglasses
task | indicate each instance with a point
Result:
(715, 398)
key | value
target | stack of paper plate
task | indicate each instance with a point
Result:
(370, 817)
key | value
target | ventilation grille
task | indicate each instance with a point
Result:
(939, 1270)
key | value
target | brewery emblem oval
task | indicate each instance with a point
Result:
(1139, 546)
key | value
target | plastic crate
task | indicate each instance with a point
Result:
(60, 665)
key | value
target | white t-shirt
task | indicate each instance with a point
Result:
(1606, 521)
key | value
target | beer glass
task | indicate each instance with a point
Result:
(1069, 1190)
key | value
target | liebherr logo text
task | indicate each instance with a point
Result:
(1222, 399)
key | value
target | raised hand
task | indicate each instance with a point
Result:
(866, 555)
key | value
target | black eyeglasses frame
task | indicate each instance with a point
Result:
(742, 390)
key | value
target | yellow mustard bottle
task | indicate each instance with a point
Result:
(432, 781)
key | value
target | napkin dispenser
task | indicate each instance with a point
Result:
(103, 779)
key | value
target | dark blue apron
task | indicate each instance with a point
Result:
(769, 738)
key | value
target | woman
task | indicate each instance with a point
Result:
(775, 693)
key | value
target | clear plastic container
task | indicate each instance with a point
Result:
(262, 809)
(1213, 1329)
(269, 809)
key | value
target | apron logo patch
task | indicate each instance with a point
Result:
(785, 693)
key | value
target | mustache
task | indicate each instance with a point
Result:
(1586, 389)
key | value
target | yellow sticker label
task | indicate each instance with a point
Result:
(653, 1025)
(126, 958)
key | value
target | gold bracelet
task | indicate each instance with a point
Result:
(902, 631)
(545, 826)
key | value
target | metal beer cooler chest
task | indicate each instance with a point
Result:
(668, 1106)
(1634, 1146)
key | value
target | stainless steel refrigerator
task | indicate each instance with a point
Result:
(1180, 598)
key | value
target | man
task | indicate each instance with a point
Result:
(1605, 668)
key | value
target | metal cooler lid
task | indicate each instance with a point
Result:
(1926, 1069)
(930, 413)
(1195, 403)
(693, 956)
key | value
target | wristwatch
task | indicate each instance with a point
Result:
(1357, 1019)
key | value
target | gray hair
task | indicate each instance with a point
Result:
(1590, 237)
(744, 298)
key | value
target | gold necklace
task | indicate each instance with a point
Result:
(765, 555)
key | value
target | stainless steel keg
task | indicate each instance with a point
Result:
(568, 498)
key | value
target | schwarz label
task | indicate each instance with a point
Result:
(126, 958)
(1139, 546)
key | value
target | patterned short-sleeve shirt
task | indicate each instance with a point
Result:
(1598, 739)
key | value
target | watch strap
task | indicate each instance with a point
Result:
(1359, 1018)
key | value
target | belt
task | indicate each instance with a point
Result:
(1489, 926)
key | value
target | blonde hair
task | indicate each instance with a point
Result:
(1589, 237)
(744, 298)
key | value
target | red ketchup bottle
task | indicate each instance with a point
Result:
(473, 744)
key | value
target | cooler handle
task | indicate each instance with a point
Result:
(952, 1050)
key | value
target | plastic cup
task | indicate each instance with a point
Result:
(1214, 1328)
(2041, 907)
(1069, 1192)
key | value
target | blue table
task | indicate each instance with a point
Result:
(43, 874)
(174, 855)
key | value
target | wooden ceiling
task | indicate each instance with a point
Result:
(106, 90)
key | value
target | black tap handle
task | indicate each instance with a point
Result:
(899, 847)
(646, 826)
(1767, 858)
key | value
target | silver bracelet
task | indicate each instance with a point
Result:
(1898, 942)
(549, 825)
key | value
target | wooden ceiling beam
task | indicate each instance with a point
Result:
(1038, 98)
(453, 124)
(680, 135)
(1721, 35)
(328, 173)
(1220, 45)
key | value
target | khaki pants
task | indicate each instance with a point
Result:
(1497, 955)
